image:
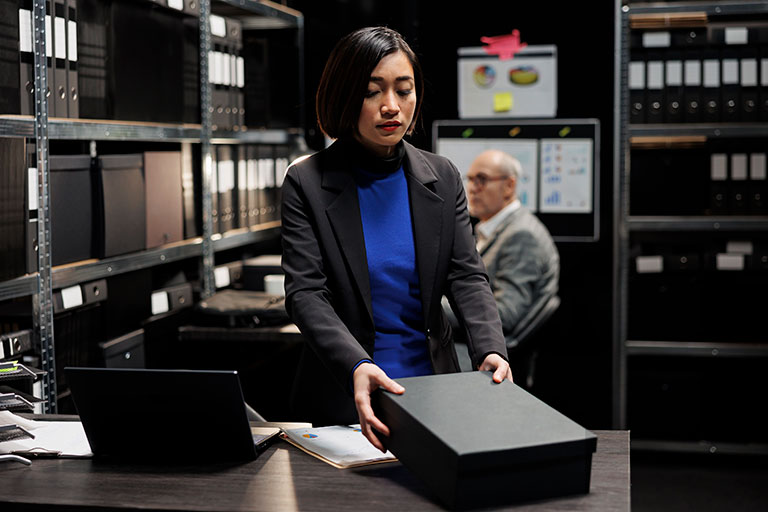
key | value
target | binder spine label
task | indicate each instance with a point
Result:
(25, 30)
(72, 43)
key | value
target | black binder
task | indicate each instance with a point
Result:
(690, 42)
(11, 88)
(59, 104)
(711, 81)
(673, 90)
(73, 95)
(122, 202)
(226, 182)
(214, 187)
(126, 351)
(738, 195)
(13, 208)
(240, 156)
(217, 65)
(254, 197)
(92, 58)
(191, 79)
(718, 184)
(190, 190)
(236, 79)
(758, 184)
(763, 87)
(71, 207)
(730, 89)
(654, 83)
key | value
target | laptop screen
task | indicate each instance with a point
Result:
(162, 415)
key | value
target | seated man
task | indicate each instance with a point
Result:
(521, 258)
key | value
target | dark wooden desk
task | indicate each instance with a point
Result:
(282, 479)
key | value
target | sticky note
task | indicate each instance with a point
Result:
(503, 102)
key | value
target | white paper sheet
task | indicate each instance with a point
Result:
(341, 445)
(65, 438)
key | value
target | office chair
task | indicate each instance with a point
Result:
(522, 342)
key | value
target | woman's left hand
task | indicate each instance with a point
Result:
(496, 364)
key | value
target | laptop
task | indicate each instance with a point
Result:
(162, 416)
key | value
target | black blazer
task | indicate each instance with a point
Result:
(327, 287)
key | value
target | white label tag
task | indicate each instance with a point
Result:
(655, 75)
(764, 72)
(674, 72)
(692, 73)
(176, 4)
(48, 40)
(757, 169)
(72, 43)
(226, 175)
(25, 30)
(160, 303)
(242, 175)
(212, 67)
(218, 26)
(736, 35)
(739, 247)
(711, 73)
(649, 264)
(240, 72)
(730, 261)
(719, 167)
(221, 276)
(270, 170)
(71, 297)
(656, 39)
(218, 68)
(730, 71)
(61, 38)
(739, 166)
(226, 70)
(637, 75)
(262, 169)
(749, 72)
(281, 167)
(214, 177)
(253, 175)
(32, 188)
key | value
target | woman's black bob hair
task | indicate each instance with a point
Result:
(346, 75)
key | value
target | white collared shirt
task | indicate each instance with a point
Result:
(486, 228)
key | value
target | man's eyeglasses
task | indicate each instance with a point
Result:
(481, 180)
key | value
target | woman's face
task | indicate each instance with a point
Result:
(388, 105)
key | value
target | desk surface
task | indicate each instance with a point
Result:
(283, 478)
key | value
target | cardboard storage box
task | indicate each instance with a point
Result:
(523, 86)
(475, 443)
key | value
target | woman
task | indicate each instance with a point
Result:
(374, 233)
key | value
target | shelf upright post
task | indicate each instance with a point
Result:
(42, 299)
(620, 213)
(205, 146)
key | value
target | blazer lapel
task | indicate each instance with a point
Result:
(344, 216)
(426, 212)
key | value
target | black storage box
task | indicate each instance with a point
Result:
(71, 209)
(255, 269)
(123, 204)
(477, 443)
(124, 352)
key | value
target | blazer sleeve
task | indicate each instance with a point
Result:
(517, 272)
(309, 299)
(468, 289)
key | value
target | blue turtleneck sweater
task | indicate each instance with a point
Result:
(400, 347)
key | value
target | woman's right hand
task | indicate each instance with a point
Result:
(367, 378)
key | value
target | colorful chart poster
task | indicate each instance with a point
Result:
(566, 176)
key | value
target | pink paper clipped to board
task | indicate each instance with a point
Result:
(504, 46)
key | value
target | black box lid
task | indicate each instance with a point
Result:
(484, 424)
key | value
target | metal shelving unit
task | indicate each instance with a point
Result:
(635, 135)
(39, 285)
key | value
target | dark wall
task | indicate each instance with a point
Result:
(574, 368)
